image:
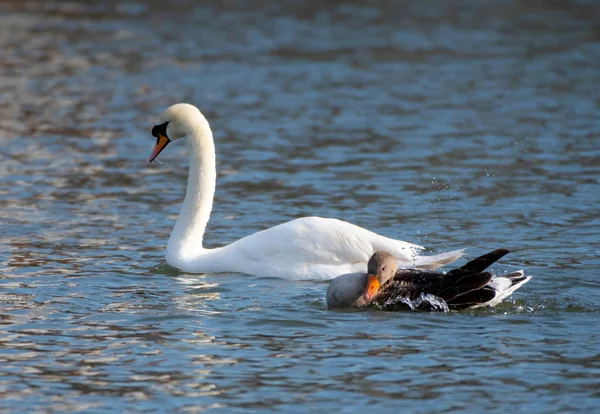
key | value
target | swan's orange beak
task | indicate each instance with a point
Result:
(372, 287)
(161, 143)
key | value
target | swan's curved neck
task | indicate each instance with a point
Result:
(186, 238)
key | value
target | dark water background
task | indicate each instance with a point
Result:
(448, 124)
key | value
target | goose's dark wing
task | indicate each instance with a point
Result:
(460, 288)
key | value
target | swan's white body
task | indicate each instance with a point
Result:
(305, 248)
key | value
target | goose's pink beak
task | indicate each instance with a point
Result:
(372, 287)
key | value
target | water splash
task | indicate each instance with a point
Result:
(425, 301)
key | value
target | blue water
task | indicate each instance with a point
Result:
(444, 124)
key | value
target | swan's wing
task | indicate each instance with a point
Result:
(322, 248)
(342, 242)
(324, 241)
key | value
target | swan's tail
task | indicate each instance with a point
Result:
(432, 262)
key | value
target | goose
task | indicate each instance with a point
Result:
(314, 248)
(384, 286)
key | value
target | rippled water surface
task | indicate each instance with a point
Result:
(447, 124)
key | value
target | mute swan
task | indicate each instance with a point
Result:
(383, 284)
(304, 248)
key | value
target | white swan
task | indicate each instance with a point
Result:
(304, 248)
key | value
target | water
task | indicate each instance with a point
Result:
(447, 125)
(425, 302)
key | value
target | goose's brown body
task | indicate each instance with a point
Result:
(460, 288)
(467, 287)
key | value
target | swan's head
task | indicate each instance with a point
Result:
(381, 268)
(176, 122)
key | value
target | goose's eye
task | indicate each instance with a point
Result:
(383, 269)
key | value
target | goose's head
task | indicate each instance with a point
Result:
(381, 268)
(176, 122)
